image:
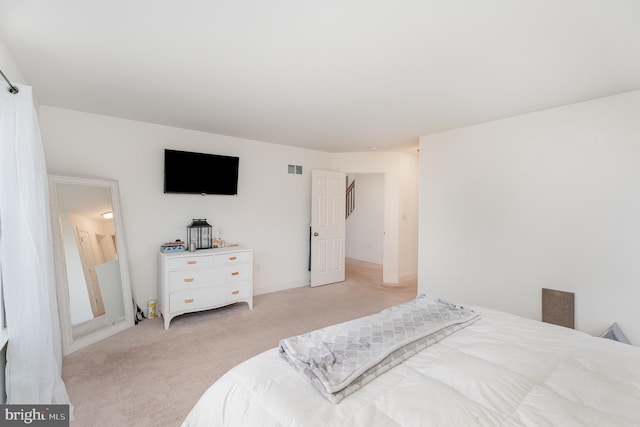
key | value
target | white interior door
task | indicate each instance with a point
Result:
(88, 264)
(327, 227)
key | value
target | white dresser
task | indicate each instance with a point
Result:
(205, 279)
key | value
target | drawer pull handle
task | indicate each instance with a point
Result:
(188, 279)
(189, 300)
(235, 292)
(192, 262)
(235, 273)
(233, 258)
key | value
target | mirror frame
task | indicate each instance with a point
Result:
(69, 345)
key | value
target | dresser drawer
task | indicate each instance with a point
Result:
(199, 278)
(197, 299)
(195, 261)
(232, 258)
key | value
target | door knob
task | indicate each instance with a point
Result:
(315, 234)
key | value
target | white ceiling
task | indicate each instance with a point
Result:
(84, 200)
(330, 75)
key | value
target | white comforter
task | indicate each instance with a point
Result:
(502, 370)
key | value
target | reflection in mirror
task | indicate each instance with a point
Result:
(94, 295)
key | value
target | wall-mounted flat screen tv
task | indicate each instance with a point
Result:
(200, 173)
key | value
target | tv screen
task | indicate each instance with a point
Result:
(200, 173)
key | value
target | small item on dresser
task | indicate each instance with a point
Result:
(200, 232)
(151, 309)
(216, 241)
(192, 247)
(177, 246)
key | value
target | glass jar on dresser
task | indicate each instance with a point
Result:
(202, 280)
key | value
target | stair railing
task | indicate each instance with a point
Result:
(351, 198)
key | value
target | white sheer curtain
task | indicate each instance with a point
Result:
(34, 353)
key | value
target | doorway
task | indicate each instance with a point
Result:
(364, 237)
(365, 225)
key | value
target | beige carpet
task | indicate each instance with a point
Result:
(147, 376)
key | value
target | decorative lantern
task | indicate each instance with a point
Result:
(199, 232)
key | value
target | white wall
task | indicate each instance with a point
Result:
(365, 225)
(9, 67)
(549, 199)
(271, 212)
(408, 218)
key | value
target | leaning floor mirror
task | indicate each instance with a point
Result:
(92, 274)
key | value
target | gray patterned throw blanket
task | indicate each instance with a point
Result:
(342, 358)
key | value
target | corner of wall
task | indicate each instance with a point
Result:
(9, 66)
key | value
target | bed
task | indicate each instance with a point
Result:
(498, 370)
